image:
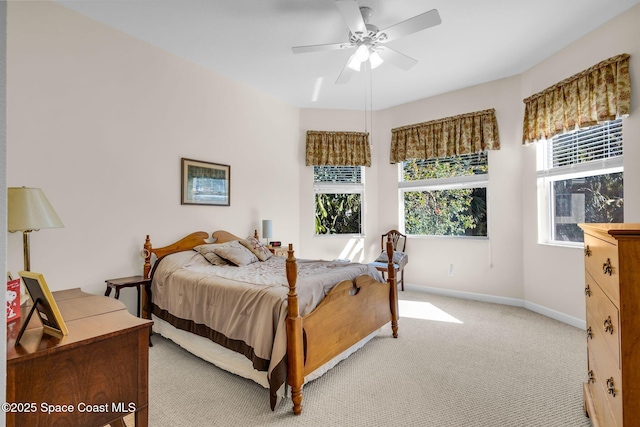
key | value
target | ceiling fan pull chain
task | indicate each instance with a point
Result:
(371, 105)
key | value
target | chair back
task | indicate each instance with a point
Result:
(398, 239)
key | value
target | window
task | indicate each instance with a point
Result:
(580, 179)
(445, 196)
(339, 193)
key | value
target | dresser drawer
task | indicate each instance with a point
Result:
(594, 394)
(603, 376)
(613, 417)
(601, 261)
(603, 322)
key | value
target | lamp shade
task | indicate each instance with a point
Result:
(29, 209)
(267, 228)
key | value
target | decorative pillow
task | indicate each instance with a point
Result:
(261, 251)
(399, 258)
(206, 251)
(235, 253)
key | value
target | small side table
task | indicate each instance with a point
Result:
(279, 251)
(127, 282)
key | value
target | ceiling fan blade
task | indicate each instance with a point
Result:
(396, 58)
(346, 73)
(351, 13)
(412, 25)
(320, 47)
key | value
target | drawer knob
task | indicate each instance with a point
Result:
(611, 389)
(587, 251)
(589, 333)
(608, 325)
(587, 291)
(606, 267)
(592, 378)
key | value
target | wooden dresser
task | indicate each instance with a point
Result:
(612, 289)
(91, 377)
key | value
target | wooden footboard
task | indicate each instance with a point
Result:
(348, 314)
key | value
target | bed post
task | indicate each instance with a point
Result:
(393, 288)
(146, 254)
(294, 336)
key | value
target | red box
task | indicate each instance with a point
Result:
(13, 299)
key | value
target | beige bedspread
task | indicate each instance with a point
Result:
(244, 308)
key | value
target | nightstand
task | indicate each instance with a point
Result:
(279, 251)
(127, 282)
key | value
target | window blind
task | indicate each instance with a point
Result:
(598, 142)
(337, 174)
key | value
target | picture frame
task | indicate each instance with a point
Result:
(205, 183)
(44, 304)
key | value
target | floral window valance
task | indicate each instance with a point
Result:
(450, 136)
(338, 149)
(598, 94)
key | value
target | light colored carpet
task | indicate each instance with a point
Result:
(480, 364)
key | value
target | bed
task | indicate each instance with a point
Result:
(277, 321)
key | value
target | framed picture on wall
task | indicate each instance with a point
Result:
(205, 183)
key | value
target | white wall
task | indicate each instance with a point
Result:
(488, 266)
(100, 120)
(485, 266)
(3, 195)
(553, 276)
(357, 249)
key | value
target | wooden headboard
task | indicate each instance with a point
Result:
(184, 244)
(222, 236)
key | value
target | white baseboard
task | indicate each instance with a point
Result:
(565, 318)
(553, 314)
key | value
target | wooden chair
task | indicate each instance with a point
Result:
(399, 241)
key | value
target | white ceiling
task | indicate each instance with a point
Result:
(250, 41)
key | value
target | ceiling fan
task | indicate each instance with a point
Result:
(369, 41)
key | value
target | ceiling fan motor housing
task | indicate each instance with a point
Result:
(366, 13)
(372, 35)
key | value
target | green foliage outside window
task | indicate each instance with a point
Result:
(600, 201)
(338, 213)
(446, 212)
(460, 212)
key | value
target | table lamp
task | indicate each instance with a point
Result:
(29, 210)
(267, 229)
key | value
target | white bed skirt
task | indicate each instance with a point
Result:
(234, 362)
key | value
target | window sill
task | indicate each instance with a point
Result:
(569, 245)
(416, 236)
(345, 236)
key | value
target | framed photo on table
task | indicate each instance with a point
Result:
(205, 183)
(43, 304)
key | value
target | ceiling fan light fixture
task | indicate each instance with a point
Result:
(354, 63)
(362, 53)
(375, 60)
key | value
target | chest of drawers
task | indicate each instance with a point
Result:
(102, 365)
(612, 293)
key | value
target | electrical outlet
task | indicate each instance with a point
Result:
(450, 269)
